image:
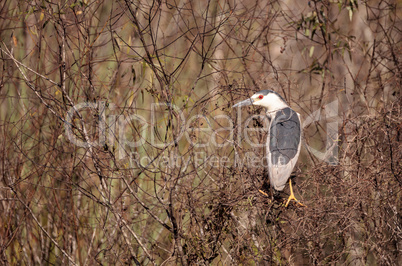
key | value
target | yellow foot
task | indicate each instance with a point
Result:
(292, 196)
(265, 194)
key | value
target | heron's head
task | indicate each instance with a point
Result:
(265, 98)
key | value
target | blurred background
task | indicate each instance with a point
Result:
(119, 144)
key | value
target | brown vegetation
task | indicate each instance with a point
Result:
(120, 146)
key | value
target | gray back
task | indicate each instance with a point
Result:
(284, 136)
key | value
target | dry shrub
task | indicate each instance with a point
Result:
(120, 146)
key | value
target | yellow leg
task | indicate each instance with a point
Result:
(265, 194)
(292, 195)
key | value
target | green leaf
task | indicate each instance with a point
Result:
(311, 51)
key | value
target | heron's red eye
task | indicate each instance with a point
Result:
(261, 96)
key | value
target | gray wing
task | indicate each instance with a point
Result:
(283, 146)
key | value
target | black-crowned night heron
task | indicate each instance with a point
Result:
(284, 138)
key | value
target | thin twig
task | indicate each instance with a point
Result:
(43, 229)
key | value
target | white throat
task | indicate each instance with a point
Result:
(272, 102)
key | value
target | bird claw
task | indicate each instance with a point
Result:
(292, 196)
(263, 193)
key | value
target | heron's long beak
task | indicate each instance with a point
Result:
(244, 103)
